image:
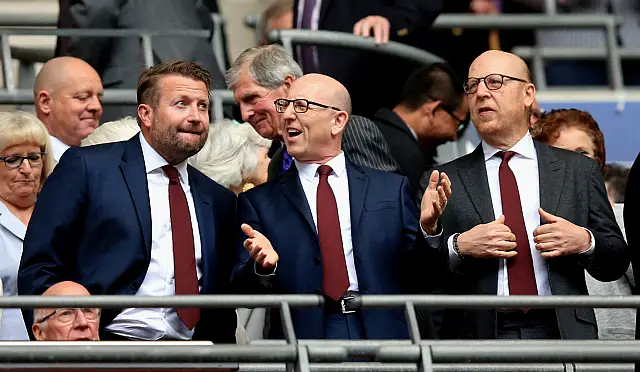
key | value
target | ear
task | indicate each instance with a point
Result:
(339, 123)
(429, 108)
(44, 101)
(529, 94)
(145, 113)
(37, 331)
(288, 81)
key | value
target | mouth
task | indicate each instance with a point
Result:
(482, 110)
(292, 132)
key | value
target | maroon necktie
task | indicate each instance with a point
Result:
(522, 280)
(335, 280)
(184, 255)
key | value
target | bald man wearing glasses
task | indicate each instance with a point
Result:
(66, 324)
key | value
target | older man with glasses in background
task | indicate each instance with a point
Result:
(66, 324)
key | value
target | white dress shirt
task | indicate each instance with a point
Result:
(339, 182)
(525, 169)
(57, 148)
(155, 324)
(12, 232)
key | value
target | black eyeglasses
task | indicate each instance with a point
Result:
(15, 161)
(491, 81)
(461, 124)
(300, 105)
(69, 315)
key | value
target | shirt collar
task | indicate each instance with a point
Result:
(310, 170)
(524, 147)
(57, 147)
(154, 161)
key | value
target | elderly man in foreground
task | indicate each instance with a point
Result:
(66, 324)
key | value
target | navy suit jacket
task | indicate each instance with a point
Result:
(390, 254)
(92, 225)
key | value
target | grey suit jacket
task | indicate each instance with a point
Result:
(119, 61)
(571, 186)
(363, 144)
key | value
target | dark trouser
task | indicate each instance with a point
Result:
(532, 325)
(344, 326)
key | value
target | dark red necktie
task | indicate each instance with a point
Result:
(335, 280)
(184, 255)
(522, 280)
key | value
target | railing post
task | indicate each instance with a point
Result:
(540, 77)
(216, 41)
(147, 50)
(7, 66)
(425, 364)
(290, 334)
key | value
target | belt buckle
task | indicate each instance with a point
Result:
(343, 304)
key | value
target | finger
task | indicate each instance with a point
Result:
(548, 246)
(442, 196)
(503, 254)
(247, 230)
(366, 28)
(548, 216)
(357, 28)
(385, 31)
(247, 244)
(378, 32)
(551, 254)
(548, 228)
(544, 238)
(500, 220)
(433, 180)
(510, 237)
(447, 184)
(504, 245)
(437, 210)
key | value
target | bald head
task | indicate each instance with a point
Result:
(67, 289)
(68, 94)
(502, 62)
(325, 89)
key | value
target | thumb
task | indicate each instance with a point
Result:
(500, 220)
(248, 230)
(548, 216)
(433, 180)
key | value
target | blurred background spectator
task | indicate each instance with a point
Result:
(26, 164)
(576, 130)
(278, 16)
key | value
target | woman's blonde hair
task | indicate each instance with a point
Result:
(18, 127)
(230, 154)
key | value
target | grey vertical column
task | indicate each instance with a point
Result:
(7, 68)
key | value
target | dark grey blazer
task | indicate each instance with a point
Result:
(119, 61)
(571, 187)
(363, 144)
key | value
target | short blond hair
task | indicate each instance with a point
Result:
(18, 127)
(230, 154)
(113, 131)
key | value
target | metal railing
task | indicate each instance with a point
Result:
(299, 355)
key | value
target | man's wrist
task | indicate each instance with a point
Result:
(456, 248)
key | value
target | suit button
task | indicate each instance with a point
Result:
(316, 260)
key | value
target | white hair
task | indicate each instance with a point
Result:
(113, 131)
(268, 65)
(230, 154)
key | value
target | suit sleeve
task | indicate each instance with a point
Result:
(364, 145)
(424, 265)
(92, 14)
(610, 258)
(244, 278)
(632, 218)
(405, 16)
(49, 238)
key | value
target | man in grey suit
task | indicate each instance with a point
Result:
(120, 60)
(522, 218)
(260, 75)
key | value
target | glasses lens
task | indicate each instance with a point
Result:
(471, 85)
(90, 314)
(281, 105)
(13, 161)
(66, 315)
(35, 158)
(300, 106)
(493, 81)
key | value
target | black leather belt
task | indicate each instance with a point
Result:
(344, 305)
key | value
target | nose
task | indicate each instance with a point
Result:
(81, 320)
(25, 167)
(94, 104)
(246, 111)
(197, 115)
(289, 113)
(482, 90)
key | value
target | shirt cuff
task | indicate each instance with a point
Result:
(592, 246)
(454, 258)
(433, 240)
(263, 272)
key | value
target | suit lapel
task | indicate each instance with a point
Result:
(324, 6)
(292, 189)
(135, 175)
(551, 172)
(358, 182)
(474, 180)
(204, 213)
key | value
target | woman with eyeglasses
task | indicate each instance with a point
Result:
(26, 163)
